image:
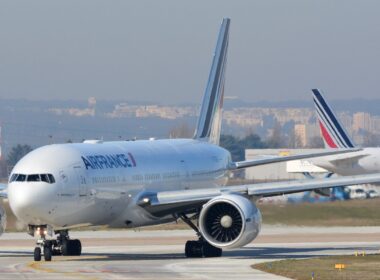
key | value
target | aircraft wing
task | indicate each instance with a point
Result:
(275, 159)
(171, 202)
(3, 191)
(351, 158)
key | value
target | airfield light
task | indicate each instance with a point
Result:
(340, 266)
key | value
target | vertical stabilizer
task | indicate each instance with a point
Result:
(209, 122)
(333, 133)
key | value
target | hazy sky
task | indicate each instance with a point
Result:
(161, 50)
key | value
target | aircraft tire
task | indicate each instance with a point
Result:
(76, 247)
(210, 251)
(37, 254)
(47, 253)
(193, 249)
(71, 248)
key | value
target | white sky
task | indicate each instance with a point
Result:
(161, 50)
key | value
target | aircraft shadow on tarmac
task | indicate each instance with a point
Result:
(243, 253)
(9, 254)
(287, 253)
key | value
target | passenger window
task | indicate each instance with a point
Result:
(34, 178)
(20, 178)
(45, 178)
(51, 179)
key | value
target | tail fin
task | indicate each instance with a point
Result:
(333, 133)
(209, 122)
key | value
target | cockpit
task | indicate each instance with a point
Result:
(47, 178)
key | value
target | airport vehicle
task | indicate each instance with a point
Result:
(357, 193)
(127, 184)
(364, 161)
(372, 194)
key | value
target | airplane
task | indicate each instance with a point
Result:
(364, 161)
(129, 184)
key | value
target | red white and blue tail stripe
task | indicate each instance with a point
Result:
(333, 133)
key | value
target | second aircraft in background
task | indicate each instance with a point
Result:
(364, 161)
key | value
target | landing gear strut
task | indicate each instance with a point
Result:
(63, 245)
(199, 248)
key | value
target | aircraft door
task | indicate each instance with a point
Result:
(81, 179)
(185, 175)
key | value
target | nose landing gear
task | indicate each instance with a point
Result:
(62, 245)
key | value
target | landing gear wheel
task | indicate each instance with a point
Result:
(76, 247)
(71, 248)
(210, 251)
(200, 248)
(65, 248)
(48, 253)
(193, 249)
(37, 254)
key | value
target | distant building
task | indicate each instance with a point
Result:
(304, 133)
(300, 134)
(361, 121)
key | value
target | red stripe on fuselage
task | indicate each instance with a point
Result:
(327, 136)
(133, 159)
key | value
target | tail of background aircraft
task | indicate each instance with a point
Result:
(333, 133)
(209, 122)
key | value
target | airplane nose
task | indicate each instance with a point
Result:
(26, 201)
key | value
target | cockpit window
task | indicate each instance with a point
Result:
(51, 178)
(34, 178)
(20, 177)
(47, 178)
(13, 177)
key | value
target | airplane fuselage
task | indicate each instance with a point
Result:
(366, 161)
(99, 183)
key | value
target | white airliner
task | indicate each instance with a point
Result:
(364, 161)
(128, 184)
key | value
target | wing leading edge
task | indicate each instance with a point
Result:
(275, 159)
(170, 202)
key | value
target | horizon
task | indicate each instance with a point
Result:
(126, 50)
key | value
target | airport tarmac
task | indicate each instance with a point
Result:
(159, 254)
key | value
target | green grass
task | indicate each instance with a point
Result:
(338, 213)
(367, 267)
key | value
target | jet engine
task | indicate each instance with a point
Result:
(229, 221)
(3, 220)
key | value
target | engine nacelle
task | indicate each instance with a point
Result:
(229, 221)
(3, 220)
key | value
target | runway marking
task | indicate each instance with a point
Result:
(38, 267)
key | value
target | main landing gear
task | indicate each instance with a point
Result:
(199, 248)
(63, 245)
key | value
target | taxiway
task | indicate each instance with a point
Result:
(159, 254)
